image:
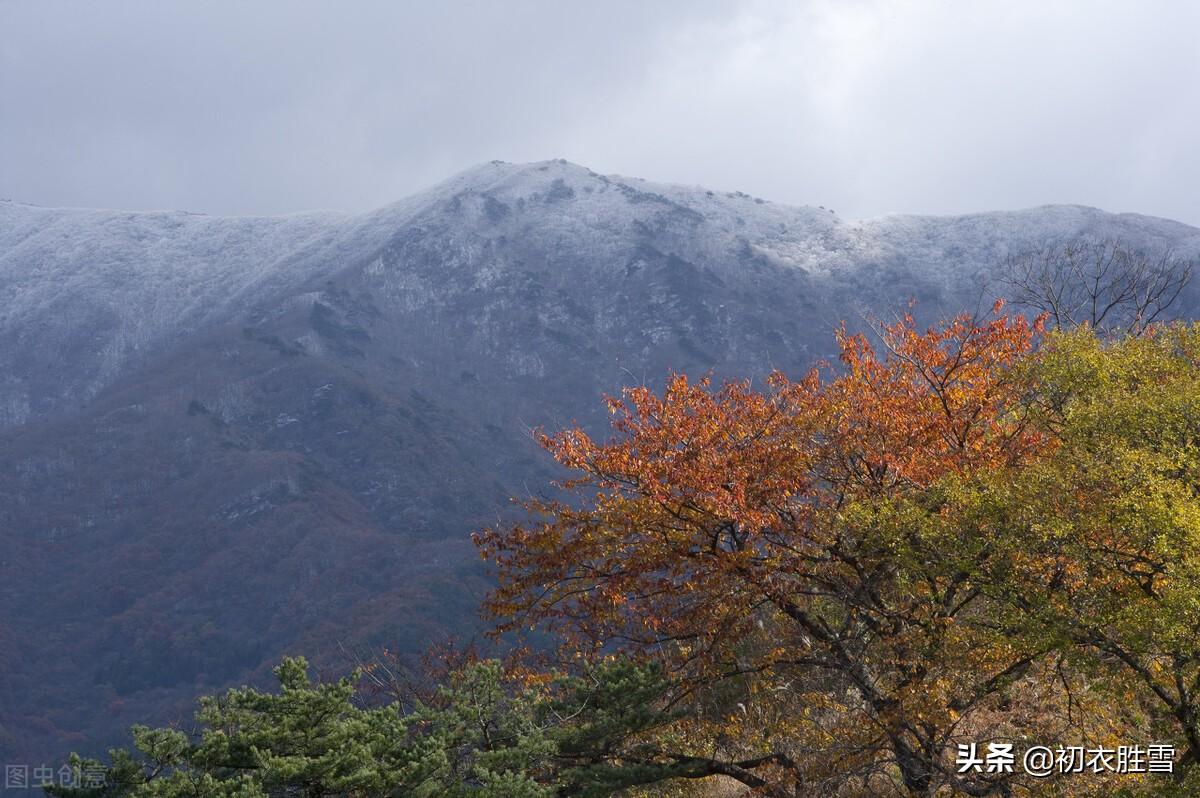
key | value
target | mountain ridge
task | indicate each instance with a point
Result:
(129, 270)
(470, 176)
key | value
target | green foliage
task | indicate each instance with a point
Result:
(482, 735)
(1105, 532)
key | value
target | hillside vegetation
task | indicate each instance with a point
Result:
(840, 585)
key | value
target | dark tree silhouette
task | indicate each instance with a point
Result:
(1114, 288)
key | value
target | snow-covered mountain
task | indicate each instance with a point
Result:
(226, 438)
(95, 292)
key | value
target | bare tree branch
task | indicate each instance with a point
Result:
(1113, 288)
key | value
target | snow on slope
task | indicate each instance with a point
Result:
(84, 293)
(87, 288)
(943, 245)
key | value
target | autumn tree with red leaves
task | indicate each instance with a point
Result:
(785, 554)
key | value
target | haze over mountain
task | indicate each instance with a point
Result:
(223, 439)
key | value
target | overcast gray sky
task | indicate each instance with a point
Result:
(864, 106)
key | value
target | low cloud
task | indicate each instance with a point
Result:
(862, 106)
